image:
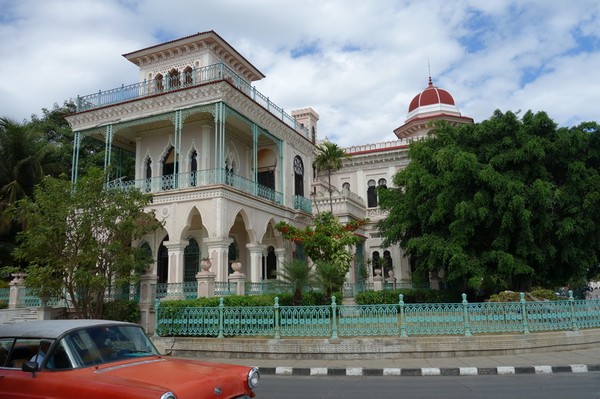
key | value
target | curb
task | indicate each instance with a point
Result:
(428, 371)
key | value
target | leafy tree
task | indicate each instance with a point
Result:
(326, 242)
(78, 242)
(507, 202)
(297, 274)
(329, 158)
(24, 160)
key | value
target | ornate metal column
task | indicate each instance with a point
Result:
(75, 161)
(108, 146)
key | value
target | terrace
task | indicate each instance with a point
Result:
(185, 80)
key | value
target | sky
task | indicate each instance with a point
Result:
(357, 63)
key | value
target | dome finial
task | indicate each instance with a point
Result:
(429, 67)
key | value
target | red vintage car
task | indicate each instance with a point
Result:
(107, 359)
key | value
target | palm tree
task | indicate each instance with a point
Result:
(329, 158)
(298, 275)
(23, 153)
(329, 277)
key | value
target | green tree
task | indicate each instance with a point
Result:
(329, 277)
(24, 160)
(298, 275)
(512, 202)
(329, 158)
(78, 242)
(326, 242)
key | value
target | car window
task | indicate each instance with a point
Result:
(5, 347)
(22, 351)
(98, 345)
(61, 358)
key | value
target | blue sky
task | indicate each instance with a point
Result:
(357, 63)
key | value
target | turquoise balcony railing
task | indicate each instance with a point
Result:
(302, 203)
(379, 320)
(207, 74)
(198, 179)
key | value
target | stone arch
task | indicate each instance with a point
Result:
(270, 235)
(247, 224)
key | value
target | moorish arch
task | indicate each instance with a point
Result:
(240, 216)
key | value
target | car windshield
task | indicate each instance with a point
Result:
(98, 345)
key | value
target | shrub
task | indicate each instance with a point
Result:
(410, 296)
(122, 310)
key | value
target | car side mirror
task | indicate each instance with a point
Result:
(31, 367)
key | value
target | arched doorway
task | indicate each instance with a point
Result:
(162, 262)
(191, 260)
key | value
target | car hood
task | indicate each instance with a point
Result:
(180, 376)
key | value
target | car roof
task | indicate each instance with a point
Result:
(52, 328)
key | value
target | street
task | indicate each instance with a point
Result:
(554, 386)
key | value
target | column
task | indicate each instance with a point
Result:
(75, 160)
(218, 251)
(175, 275)
(108, 146)
(147, 295)
(280, 253)
(256, 256)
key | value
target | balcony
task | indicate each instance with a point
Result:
(195, 77)
(197, 179)
(208, 177)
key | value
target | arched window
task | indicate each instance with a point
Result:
(191, 260)
(382, 183)
(298, 176)
(168, 175)
(173, 78)
(346, 186)
(188, 78)
(158, 83)
(375, 261)
(148, 184)
(371, 194)
(230, 167)
(194, 168)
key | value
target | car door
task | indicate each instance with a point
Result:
(15, 383)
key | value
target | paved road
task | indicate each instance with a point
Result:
(556, 386)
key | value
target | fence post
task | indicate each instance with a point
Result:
(221, 308)
(524, 313)
(402, 324)
(277, 328)
(334, 334)
(466, 315)
(573, 316)
(16, 293)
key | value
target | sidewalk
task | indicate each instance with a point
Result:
(575, 361)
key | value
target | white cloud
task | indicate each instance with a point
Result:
(357, 63)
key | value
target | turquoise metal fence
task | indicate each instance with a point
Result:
(4, 295)
(399, 319)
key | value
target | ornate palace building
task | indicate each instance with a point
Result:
(225, 164)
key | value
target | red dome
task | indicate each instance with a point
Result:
(430, 96)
